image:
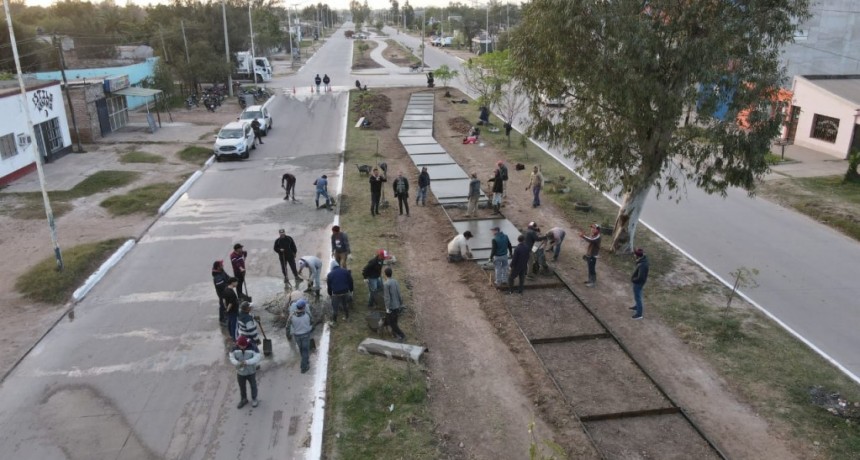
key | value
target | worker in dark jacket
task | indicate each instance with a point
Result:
(375, 190)
(237, 259)
(498, 190)
(339, 288)
(423, 187)
(231, 307)
(640, 276)
(286, 249)
(519, 265)
(372, 274)
(219, 279)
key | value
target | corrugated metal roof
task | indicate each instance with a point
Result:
(847, 87)
(140, 92)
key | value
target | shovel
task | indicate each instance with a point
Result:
(267, 342)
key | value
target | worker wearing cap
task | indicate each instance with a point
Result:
(247, 325)
(458, 248)
(237, 259)
(592, 252)
(300, 324)
(245, 359)
(372, 274)
(314, 266)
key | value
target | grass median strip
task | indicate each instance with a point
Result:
(140, 157)
(43, 283)
(145, 200)
(827, 199)
(194, 154)
(766, 366)
(29, 205)
(376, 407)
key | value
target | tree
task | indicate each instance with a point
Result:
(629, 73)
(487, 74)
(511, 102)
(852, 175)
(446, 74)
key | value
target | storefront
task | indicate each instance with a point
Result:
(44, 102)
(825, 114)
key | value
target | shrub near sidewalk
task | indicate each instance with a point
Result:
(765, 366)
(43, 283)
(376, 407)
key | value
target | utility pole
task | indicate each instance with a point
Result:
(487, 42)
(290, 34)
(508, 11)
(253, 62)
(163, 48)
(32, 136)
(226, 49)
(68, 96)
(184, 40)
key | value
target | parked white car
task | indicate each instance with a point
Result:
(261, 114)
(235, 139)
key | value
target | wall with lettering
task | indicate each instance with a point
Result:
(43, 104)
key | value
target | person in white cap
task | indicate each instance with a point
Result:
(314, 266)
(300, 324)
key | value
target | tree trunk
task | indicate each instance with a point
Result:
(628, 217)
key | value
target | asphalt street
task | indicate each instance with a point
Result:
(806, 277)
(140, 370)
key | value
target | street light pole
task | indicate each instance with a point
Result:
(49, 213)
(253, 62)
(487, 38)
(226, 49)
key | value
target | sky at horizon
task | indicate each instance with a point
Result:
(334, 4)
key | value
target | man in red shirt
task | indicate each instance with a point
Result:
(237, 259)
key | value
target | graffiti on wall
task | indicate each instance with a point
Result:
(43, 100)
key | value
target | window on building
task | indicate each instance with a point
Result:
(8, 148)
(825, 128)
(117, 112)
(53, 135)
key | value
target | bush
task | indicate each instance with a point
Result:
(43, 283)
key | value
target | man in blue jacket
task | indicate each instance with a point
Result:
(339, 287)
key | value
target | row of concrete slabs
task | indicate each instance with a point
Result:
(450, 182)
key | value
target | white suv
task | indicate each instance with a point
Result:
(261, 114)
(235, 139)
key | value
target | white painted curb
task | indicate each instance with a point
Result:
(180, 191)
(320, 379)
(114, 259)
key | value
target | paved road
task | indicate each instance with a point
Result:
(806, 275)
(141, 371)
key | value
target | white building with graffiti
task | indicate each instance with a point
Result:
(44, 102)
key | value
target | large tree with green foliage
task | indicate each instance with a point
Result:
(642, 80)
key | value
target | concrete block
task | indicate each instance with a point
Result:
(388, 349)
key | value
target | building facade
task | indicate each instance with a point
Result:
(825, 112)
(44, 102)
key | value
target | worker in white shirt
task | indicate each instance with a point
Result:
(458, 248)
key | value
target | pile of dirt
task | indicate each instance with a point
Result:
(374, 107)
(459, 124)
